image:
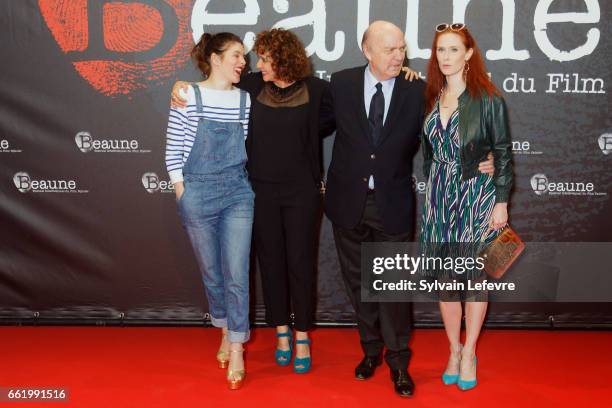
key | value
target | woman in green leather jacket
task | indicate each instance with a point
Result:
(464, 207)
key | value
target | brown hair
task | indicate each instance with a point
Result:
(211, 44)
(289, 59)
(477, 80)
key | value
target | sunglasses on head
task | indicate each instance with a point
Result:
(452, 27)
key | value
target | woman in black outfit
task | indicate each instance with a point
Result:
(290, 112)
(285, 170)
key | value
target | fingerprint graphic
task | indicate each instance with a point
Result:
(131, 27)
(128, 27)
(68, 23)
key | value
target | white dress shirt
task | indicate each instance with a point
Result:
(369, 89)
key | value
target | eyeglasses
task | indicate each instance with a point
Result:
(453, 27)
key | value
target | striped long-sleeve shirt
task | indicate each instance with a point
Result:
(183, 124)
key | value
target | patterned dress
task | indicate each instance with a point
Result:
(455, 211)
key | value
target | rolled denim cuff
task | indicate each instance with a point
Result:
(238, 337)
(218, 322)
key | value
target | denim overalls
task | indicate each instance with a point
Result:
(217, 212)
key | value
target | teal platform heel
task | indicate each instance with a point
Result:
(283, 357)
(305, 362)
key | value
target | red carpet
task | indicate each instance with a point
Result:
(176, 367)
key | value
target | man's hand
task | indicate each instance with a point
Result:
(410, 74)
(176, 100)
(487, 166)
(179, 189)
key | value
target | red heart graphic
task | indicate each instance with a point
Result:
(127, 27)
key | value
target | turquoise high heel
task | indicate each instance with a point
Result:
(283, 357)
(449, 379)
(305, 362)
(465, 385)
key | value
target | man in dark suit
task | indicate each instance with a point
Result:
(369, 196)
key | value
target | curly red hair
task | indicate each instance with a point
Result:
(289, 59)
(477, 80)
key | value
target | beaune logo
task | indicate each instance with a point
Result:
(524, 147)
(152, 183)
(5, 147)
(538, 183)
(86, 143)
(418, 186)
(541, 185)
(121, 46)
(605, 143)
(25, 184)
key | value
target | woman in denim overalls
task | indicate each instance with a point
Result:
(215, 199)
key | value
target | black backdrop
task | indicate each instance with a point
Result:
(89, 225)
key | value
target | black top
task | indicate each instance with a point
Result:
(284, 140)
(278, 151)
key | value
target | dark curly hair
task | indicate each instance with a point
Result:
(289, 59)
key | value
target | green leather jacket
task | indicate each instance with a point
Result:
(483, 127)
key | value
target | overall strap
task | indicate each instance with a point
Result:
(198, 96)
(242, 104)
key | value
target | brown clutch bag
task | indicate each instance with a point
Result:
(501, 253)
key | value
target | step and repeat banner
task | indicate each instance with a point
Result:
(88, 218)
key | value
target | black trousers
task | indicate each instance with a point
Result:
(380, 324)
(285, 232)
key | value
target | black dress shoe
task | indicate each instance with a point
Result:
(402, 382)
(367, 366)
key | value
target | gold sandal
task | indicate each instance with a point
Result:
(223, 356)
(235, 378)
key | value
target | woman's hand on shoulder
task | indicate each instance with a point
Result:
(176, 99)
(410, 74)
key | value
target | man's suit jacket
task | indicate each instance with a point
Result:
(355, 158)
